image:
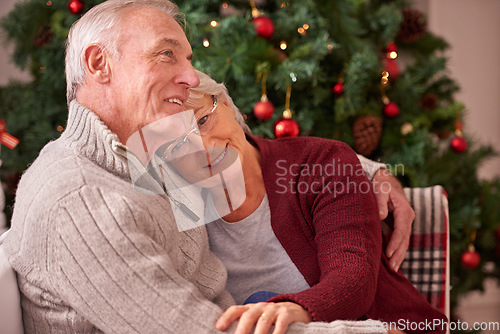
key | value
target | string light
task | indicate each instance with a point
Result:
(330, 46)
(385, 78)
(284, 4)
(225, 5)
(49, 3)
(406, 128)
(213, 24)
(392, 55)
(206, 43)
(59, 128)
(303, 30)
(283, 45)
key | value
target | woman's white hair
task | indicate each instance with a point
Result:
(100, 25)
(209, 86)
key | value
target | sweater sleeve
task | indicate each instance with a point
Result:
(347, 238)
(369, 166)
(112, 273)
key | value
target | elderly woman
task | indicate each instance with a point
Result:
(307, 229)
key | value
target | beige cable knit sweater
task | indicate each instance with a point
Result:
(94, 255)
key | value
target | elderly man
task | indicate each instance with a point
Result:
(91, 253)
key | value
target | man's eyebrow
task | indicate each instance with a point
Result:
(167, 41)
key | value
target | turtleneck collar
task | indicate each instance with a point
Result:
(87, 133)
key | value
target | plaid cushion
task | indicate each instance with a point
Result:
(427, 261)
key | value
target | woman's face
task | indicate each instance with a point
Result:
(217, 150)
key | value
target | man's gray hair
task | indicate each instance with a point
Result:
(100, 25)
(209, 86)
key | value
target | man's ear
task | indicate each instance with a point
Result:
(97, 63)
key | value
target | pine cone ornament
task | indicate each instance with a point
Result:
(429, 101)
(43, 36)
(366, 131)
(413, 27)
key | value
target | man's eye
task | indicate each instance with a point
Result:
(167, 53)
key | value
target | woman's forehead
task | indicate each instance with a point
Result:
(201, 100)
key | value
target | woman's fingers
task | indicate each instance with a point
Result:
(260, 315)
(263, 316)
(264, 323)
(229, 316)
(281, 324)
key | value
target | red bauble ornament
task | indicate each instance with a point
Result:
(75, 6)
(264, 26)
(470, 259)
(338, 89)
(392, 67)
(263, 109)
(286, 128)
(391, 47)
(458, 144)
(391, 110)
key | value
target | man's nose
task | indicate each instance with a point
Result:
(188, 75)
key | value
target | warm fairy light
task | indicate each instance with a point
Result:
(305, 26)
(329, 46)
(59, 128)
(284, 4)
(283, 45)
(49, 3)
(301, 31)
(392, 55)
(225, 5)
(385, 78)
(406, 128)
(213, 24)
(206, 43)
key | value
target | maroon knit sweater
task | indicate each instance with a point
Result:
(324, 213)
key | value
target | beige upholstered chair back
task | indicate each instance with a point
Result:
(10, 303)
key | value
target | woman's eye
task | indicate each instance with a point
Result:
(203, 120)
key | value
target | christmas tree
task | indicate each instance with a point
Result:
(366, 72)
